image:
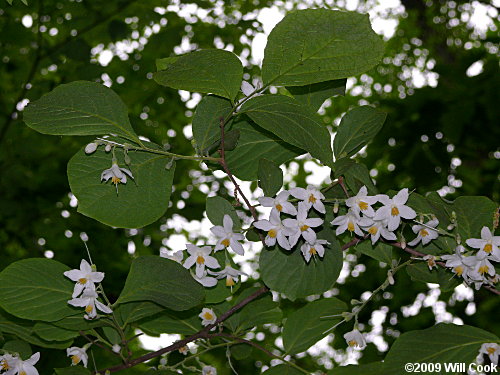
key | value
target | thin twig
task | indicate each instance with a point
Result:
(341, 183)
(96, 342)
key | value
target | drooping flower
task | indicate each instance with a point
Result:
(231, 275)
(88, 299)
(316, 248)
(280, 203)
(361, 202)
(85, 277)
(275, 230)
(20, 367)
(488, 245)
(302, 225)
(226, 237)
(350, 222)
(355, 339)
(425, 232)
(200, 257)
(377, 228)
(310, 196)
(394, 209)
(77, 354)
(206, 280)
(207, 316)
(208, 370)
(492, 350)
(480, 266)
(118, 175)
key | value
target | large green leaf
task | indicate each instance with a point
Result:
(314, 95)
(270, 177)
(139, 202)
(473, 213)
(443, 343)
(133, 311)
(293, 122)
(217, 208)
(306, 326)
(356, 129)
(380, 251)
(163, 281)
(287, 272)
(207, 71)
(36, 289)
(80, 108)
(185, 323)
(20, 347)
(51, 332)
(316, 45)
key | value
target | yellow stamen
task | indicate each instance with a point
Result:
(488, 248)
(423, 232)
(313, 251)
(312, 199)
(5, 365)
(431, 262)
(373, 230)
(353, 343)
(279, 207)
(362, 205)
(225, 242)
(22, 373)
(304, 228)
(394, 211)
(491, 350)
(229, 281)
(483, 269)
(75, 359)
(89, 309)
(83, 280)
(115, 180)
(350, 226)
(272, 233)
(208, 316)
(459, 270)
(200, 260)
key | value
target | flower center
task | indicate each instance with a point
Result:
(350, 226)
(279, 207)
(353, 343)
(491, 350)
(373, 230)
(394, 211)
(483, 269)
(431, 262)
(89, 309)
(272, 233)
(459, 270)
(22, 372)
(229, 281)
(488, 248)
(75, 359)
(225, 242)
(208, 316)
(83, 280)
(115, 180)
(313, 251)
(304, 227)
(200, 260)
(424, 233)
(362, 205)
(312, 199)
(5, 365)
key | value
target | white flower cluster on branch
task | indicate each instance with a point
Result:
(13, 365)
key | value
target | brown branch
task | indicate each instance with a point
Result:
(203, 334)
(341, 183)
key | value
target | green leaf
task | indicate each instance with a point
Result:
(217, 207)
(270, 177)
(163, 281)
(293, 122)
(51, 332)
(185, 323)
(315, 95)
(241, 351)
(443, 343)
(36, 289)
(10, 2)
(73, 370)
(356, 175)
(164, 63)
(134, 311)
(473, 213)
(139, 202)
(287, 272)
(316, 45)
(20, 347)
(356, 129)
(78, 323)
(282, 370)
(421, 272)
(207, 71)
(381, 251)
(80, 108)
(306, 326)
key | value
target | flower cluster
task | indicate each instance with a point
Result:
(288, 231)
(84, 293)
(13, 365)
(205, 264)
(474, 268)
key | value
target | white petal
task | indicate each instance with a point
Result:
(486, 233)
(401, 197)
(299, 193)
(211, 262)
(263, 224)
(237, 247)
(319, 206)
(105, 309)
(190, 261)
(74, 275)
(218, 231)
(266, 201)
(227, 223)
(407, 212)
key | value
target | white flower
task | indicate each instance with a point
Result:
(280, 203)
(7, 361)
(200, 257)
(88, 299)
(316, 248)
(455, 262)
(231, 275)
(394, 209)
(91, 147)
(209, 370)
(492, 350)
(85, 277)
(355, 339)
(20, 367)
(206, 280)
(377, 228)
(116, 349)
(118, 175)
(184, 350)
(275, 230)
(207, 316)
(488, 245)
(425, 233)
(226, 237)
(77, 354)
(351, 222)
(246, 88)
(431, 261)
(361, 202)
(310, 196)
(480, 266)
(302, 225)
(176, 256)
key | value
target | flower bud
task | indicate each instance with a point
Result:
(116, 348)
(336, 207)
(107, 148)
(127, 159)
(91, 147)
